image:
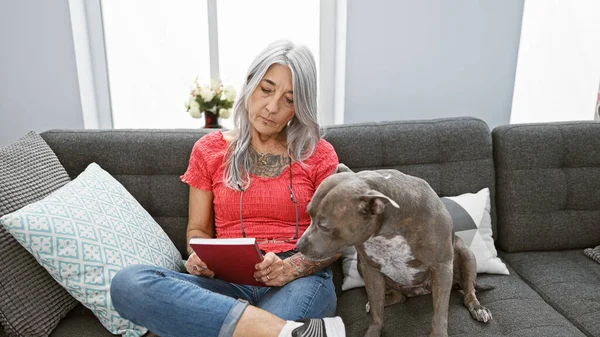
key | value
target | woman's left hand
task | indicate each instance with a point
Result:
(273, 271)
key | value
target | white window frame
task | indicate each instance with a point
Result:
(92, 69)
(332, 62)
(213, 38)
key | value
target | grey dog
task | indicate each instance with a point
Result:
(404, 238)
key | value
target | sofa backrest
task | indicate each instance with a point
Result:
(454, 155)
(147, 162)
(548, 181)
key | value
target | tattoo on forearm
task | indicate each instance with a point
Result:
(189, 248)
(303, 266)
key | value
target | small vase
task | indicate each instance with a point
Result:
(211, 120)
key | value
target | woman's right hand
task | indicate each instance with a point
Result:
(197, 267)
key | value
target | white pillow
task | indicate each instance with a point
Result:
(85, 232)
(472, 223)
(352, 278)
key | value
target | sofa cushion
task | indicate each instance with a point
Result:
(548, 178)
(454, 155)
(147, 162)
(470, 214)
(81, 322)
(568, 280)
(593, 253)
(352, 278)
(31, 301)
(516, 309)
(85, 232)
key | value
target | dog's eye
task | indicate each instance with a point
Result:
(325, 229)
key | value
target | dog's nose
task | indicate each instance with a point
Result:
(302, 244)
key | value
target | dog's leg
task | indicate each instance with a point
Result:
(393, 296)
(375, 286)
(441, 276)
(467, 266)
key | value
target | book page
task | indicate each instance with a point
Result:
(233, 241)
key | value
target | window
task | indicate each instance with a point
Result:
(247, 27)
(557, 69)
(155, 49)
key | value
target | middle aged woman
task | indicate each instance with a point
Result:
(253, 181)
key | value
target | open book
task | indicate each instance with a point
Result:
(232, 260)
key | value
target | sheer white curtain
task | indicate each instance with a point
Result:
(558, 68)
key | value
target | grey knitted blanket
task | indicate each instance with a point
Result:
(593, 253)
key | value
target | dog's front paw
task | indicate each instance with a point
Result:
(481, 313)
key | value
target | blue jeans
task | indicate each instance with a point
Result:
(170, 303)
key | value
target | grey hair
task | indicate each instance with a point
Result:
(302, 131)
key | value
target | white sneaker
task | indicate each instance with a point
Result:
(317, 327)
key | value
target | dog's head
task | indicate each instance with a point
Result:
(344, 212)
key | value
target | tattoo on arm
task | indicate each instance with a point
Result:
(303, 266)
(189, 248)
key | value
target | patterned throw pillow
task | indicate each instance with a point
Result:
(32, 303)
(472, 223)
(352, 278)
(85, 232)
(593, 253)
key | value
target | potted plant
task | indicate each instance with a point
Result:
(214, 101)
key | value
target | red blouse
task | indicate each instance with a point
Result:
(267, 210)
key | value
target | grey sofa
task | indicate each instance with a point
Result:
(544, 180)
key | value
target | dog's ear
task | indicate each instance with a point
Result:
(342, 168)
(373, 202)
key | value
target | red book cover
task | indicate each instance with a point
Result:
(232, 260)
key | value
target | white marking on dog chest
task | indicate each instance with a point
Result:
(393, 256)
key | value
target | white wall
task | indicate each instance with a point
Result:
(38, 76)
(431, 58)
